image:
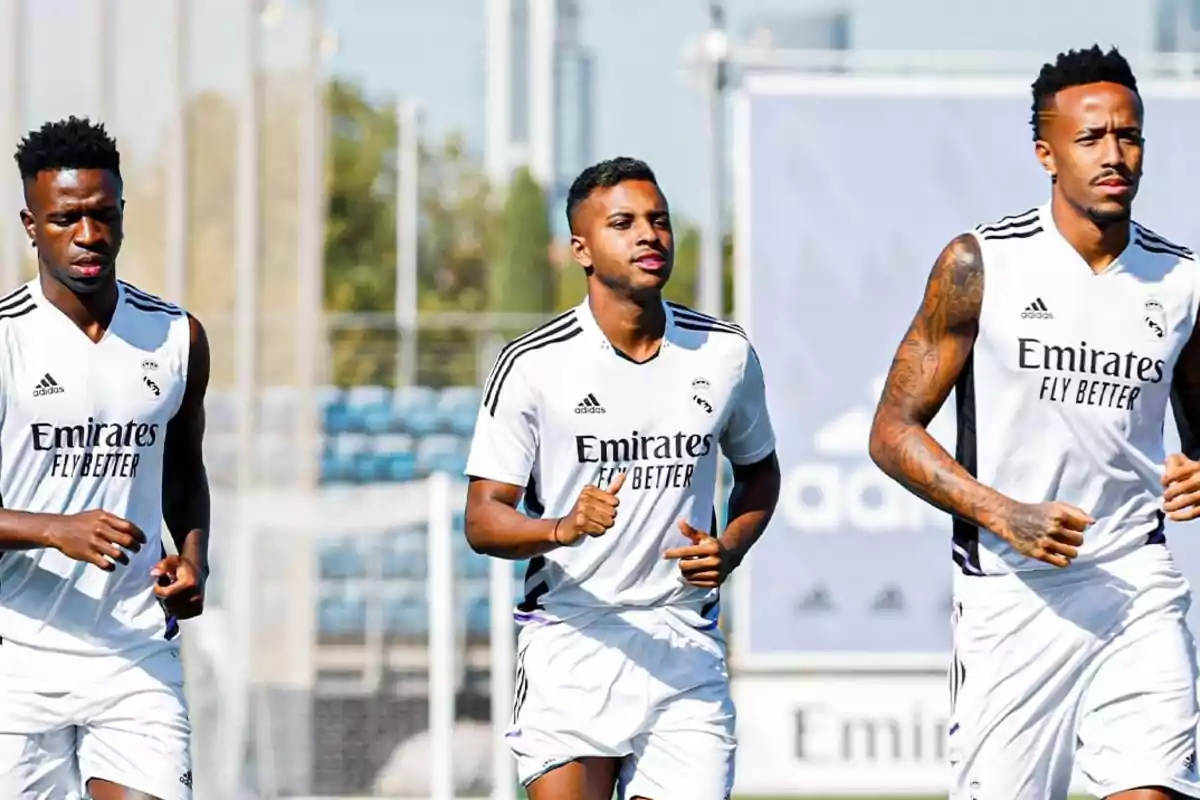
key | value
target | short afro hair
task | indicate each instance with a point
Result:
(605, 175)
(72, 143)
(1078, 68)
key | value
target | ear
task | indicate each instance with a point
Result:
(580, 252)
(1046, 157)
(27, 222)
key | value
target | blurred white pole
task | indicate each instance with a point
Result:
(177, 159)
(543, 107)
(711, 278)
(408, 226)
(504, 660)
(241, 561)
(310, 328)
(103, 31)
(12, 124)
(443, 626)
(499, 107)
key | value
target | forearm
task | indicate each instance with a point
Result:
(22, 530)
(751, 505)
(914, 459)
(187, 510)
(501, 531)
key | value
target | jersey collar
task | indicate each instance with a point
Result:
(596, 338)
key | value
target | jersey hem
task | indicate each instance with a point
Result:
(754, 457)
(511, 478)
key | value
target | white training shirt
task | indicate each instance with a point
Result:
(563, 409)
(1065, 394)
(82, 427)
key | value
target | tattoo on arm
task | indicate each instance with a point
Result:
(929, 362)
(1185, 396)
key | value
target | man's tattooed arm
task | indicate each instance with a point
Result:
(927, 364)
(1185, 397)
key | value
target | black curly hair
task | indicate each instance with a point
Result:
(72, 143)
(1077, 68)
(605, 175)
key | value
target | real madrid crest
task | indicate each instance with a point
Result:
(1155, 319)
(702, 395)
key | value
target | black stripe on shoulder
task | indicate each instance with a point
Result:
(21, 291)
(134, 292)
(708, 327)
(1155, 247)
(1021, 233)
(1010, 222)
(534, 344)
(19, 311)
(20, 301)
(153, 308)
(1159, 240)
(682, 312)
(712, 323)
(554, 326)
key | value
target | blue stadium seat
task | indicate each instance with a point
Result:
(369, 408)
(340, 558)
(404, 553)
(341, 611)
(468, 563)
(457, 408)
(335, 414)
(414, 410)
(395, 458)
(476, 609)
(346, 458)
(442, 453)
(405, 610)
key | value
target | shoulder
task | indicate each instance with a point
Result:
(1148, 241)
(726, 339)
(16, 305)
(524, 354)
(147, 303)
(1013, 228)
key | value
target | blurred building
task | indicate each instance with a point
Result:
(1177, 26)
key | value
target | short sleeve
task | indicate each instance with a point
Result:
(505, 441)
(748, 436)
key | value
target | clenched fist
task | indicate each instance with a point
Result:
(1049, 532)
(594, 512)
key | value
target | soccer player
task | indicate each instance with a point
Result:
(1063, 331)
(606, 421)
(101, 426)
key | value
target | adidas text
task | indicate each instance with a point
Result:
(589, 405)
(1037, 310)
(47, 385)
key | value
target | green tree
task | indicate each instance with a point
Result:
(521, 277)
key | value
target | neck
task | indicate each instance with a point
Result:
(1098, 245)
(635, 325)
(92, 312)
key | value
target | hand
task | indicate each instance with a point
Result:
(95, 537)
(1050, 532)
(180, 587)
(1181, 481)
(594, 512)
(706, 563)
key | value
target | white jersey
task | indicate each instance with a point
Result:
(82, 427)
(1066, 390)
(563, 409)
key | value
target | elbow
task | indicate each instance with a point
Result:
(474, 532)
(879, 446)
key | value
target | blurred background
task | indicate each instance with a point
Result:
(363, 200)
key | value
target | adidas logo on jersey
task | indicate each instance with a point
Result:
(589, 405)
(1037, 310)
(47, 385)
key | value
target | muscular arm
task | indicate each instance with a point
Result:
(186, 503)
(926, 366)
(495, 527)
(1185, 397)
(751, 504)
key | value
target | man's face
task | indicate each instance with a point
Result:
(623, 235)
(74, 216)
(1092, 142)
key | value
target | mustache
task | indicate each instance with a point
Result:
(1120, 174)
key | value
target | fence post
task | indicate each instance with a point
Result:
(443, 674)
(503, 664)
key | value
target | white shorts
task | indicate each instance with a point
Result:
(642, 687)
(129, 727)
(1090, 669)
